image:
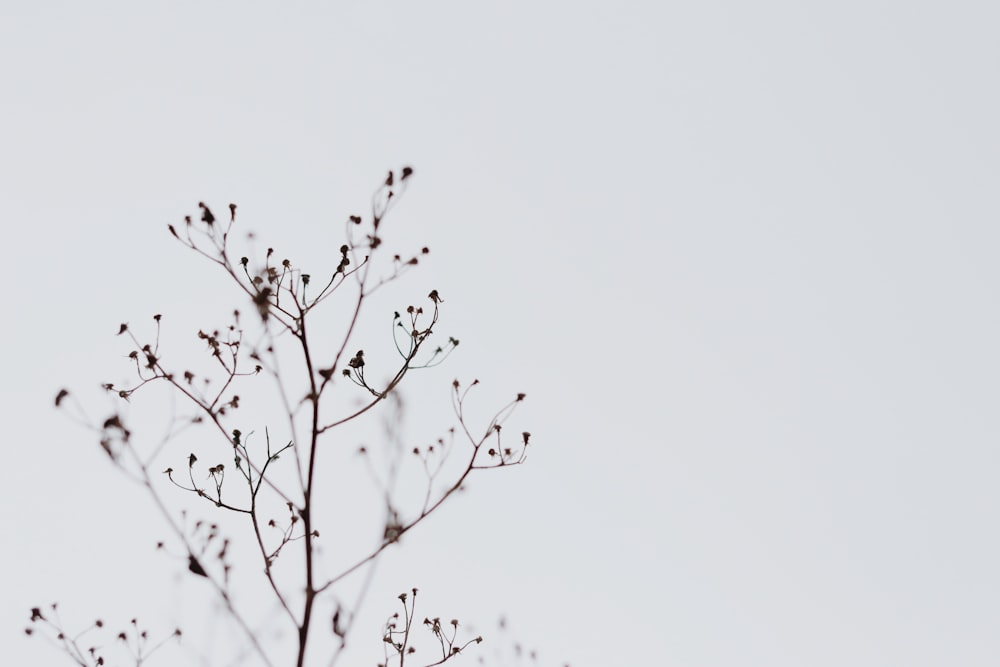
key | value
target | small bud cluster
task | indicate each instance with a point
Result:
(398, 636)
(133, 638)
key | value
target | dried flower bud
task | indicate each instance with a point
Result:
(195, 566)
(206, 214)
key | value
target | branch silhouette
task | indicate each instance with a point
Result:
(260, 477)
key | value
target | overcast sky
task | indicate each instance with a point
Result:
(740, 256)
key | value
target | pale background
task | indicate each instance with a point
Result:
(740, 256)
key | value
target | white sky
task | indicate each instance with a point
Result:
(740, 256)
